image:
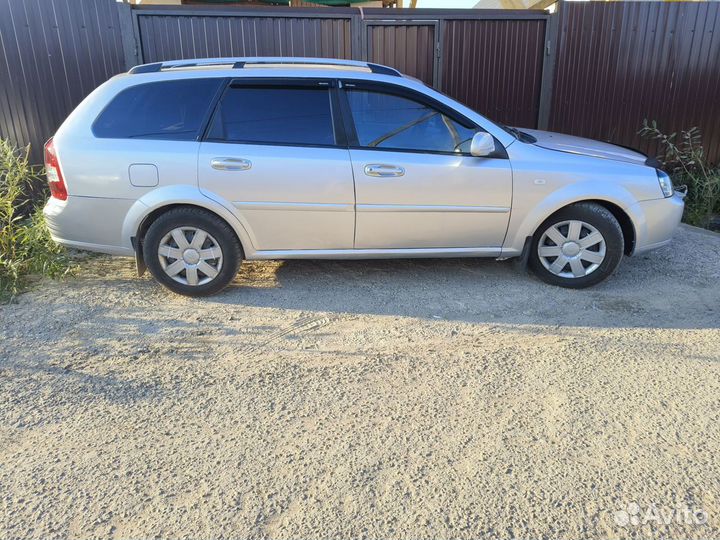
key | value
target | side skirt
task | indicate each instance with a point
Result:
(375, 253)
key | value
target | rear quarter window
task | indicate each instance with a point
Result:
(168, 110)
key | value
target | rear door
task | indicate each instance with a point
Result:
(417, 186)
(276, 151)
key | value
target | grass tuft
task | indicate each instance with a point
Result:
(26, 249)
(683, 158)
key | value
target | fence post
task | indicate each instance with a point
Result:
(356, 34)
(550, 53)
(131, 52)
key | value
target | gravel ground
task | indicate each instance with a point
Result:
(377, 399)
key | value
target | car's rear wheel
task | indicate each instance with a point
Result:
(577, 247)
(192, 252)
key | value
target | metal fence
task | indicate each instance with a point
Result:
(594, 69)
(621, 62)
(491, 60)
(53, 53)
(169, 35)
(496, 66)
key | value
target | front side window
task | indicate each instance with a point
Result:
(170, 110)
(395, 122)
(274, 115)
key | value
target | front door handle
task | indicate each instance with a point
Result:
(383, 171)
(230, 164)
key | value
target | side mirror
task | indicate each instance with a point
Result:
(482, 144)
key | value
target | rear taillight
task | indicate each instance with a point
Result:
(52, 171)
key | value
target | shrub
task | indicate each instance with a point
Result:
(26, 248)
(684, 160)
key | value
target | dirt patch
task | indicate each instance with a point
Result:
(377, 399)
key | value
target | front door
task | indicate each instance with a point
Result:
(272, 151)
(417, 186)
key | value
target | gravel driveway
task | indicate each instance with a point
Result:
(376, 399)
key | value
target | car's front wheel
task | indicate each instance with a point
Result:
(577, 247)
(192, 252)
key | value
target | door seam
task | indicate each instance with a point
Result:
(352, 171)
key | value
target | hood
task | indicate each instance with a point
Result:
(585, 147)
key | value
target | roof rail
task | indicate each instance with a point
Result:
(241, 62)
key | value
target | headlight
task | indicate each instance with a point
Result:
(665, 183)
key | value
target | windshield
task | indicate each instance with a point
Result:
(515, 132)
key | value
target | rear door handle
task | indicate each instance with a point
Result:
(383, 171)
(230, 164)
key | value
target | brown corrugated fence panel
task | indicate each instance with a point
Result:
(169, 37)
(616, 62)
(495, 67)
(53, 53)
(409, 48)
(621, 62)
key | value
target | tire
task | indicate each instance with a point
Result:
(588, 261)
(192, 252)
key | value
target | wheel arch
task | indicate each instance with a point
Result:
(626, 224)
(525, 220)
(154, 204)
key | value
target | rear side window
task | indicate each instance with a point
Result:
(172, 110)
(274, 115)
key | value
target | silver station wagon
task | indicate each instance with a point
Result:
(192, 166)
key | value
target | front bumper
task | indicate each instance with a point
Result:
(660, 219)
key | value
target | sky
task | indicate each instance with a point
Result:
(446, 3)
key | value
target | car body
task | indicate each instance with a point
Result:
(300, 159)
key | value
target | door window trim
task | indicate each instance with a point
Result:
(339, 132)
(408, 93)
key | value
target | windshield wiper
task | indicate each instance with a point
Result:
(520, 135)
(514, 131)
